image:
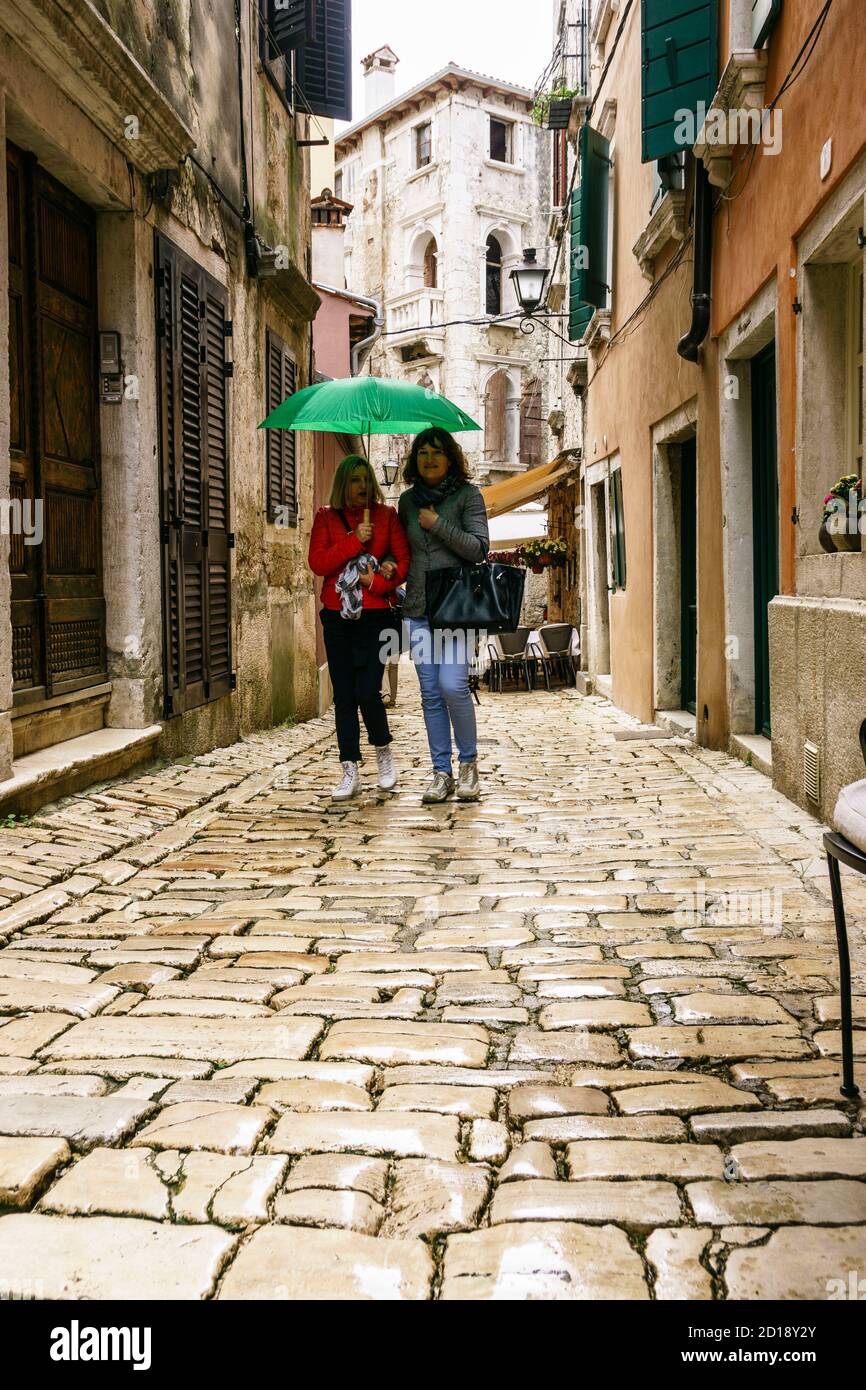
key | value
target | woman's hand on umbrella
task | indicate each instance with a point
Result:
(365, 578)
(427, 518)
(364, 531)
(388, 569)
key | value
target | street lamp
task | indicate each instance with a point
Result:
(530, 282)
(389, 472)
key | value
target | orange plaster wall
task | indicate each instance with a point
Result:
(756, 233)
(641, 381)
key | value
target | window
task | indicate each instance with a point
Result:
(495, 419)
(423, 145)
(617, 519)
(855, 372)
(281, 478)
(560, 168)
(501, 140)
(324, 67)
(338, 184)
(668, 176)
(431, 259)
(494, 276)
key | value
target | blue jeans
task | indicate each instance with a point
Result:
(445, 695)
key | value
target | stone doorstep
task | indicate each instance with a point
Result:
(755, 750)
(64, 768)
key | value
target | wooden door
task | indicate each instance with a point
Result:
(58, 609)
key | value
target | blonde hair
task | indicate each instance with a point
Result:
(343, 477)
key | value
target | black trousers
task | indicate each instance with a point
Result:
(353, 648)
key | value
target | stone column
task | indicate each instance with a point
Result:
(130, 476)
(5, 582)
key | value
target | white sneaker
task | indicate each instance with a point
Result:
(350, 785)
(387, 770)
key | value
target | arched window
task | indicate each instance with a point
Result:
(494, 276)
(431, 265)
(495, 419)
(531, 426)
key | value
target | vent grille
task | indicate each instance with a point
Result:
(812, 771)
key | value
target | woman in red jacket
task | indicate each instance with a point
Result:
(348, 547)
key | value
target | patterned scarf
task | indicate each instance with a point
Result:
(349, 587)
(425, 496)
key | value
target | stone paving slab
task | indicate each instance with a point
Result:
(290, 1049)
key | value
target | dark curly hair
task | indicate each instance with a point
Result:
(451, 449)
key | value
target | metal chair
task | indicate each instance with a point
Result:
(510, 659)
(555, 655)
(841, 851)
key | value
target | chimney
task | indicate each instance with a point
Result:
(380, 78)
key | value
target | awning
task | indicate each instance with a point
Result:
(523, 487)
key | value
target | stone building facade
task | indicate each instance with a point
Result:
(155, 300)
(449, 183)
(716, 343)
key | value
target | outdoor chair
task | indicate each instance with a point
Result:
(851, 816)
(554, 654)
(510, 659)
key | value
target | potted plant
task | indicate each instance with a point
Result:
(843, 516)
(505, 557)
(542, 552)
(553, 109)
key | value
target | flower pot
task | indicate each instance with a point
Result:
(537, 569)
(558, 113)
(837, 542)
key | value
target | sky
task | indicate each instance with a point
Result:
(510, 39)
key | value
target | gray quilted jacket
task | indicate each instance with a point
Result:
(459, 537)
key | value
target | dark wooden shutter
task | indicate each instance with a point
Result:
(531, 431)
(579, 314)
(324, 65)
(281, 446)
(679, 69)
(195, 482)
(291, 23)
(495, 418)
(594, 154)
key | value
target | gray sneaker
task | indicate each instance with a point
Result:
(439, 788)
(468, 788)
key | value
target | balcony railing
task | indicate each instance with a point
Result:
(420, 309)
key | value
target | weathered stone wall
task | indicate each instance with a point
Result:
(189, 51)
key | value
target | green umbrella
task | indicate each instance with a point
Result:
(367, 405)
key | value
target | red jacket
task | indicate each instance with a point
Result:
(332, 547)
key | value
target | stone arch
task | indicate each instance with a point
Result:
(417, 257)
(510, 255)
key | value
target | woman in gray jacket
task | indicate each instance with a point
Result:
(444, 516)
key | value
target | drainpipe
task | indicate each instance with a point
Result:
(688, 346)
(366, 344)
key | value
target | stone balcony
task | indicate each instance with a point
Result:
(420, 314)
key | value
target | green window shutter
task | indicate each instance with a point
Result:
(680, 45)
(618, 518)
(594, 155)
(579, 314)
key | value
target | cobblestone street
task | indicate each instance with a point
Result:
(580, 1040)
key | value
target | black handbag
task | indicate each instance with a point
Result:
(483, 597)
